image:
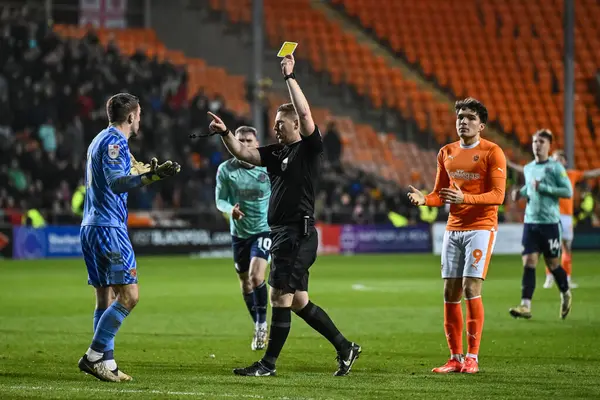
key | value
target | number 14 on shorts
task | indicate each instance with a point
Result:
(554, 244)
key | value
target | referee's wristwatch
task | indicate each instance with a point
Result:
(289, 76)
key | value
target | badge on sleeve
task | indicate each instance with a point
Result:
(113, 150)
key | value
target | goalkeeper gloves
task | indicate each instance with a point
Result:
(138, 168)
(160, 172)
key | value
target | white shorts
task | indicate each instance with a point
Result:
(566, 223)
(467, 253)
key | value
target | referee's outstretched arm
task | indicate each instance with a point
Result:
(235, 147)
(307, 125)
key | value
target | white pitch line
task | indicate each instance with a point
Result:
(359, 287)
(149, 391)
(362, 288)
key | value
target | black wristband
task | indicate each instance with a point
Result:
(223, 134)
(290, 76)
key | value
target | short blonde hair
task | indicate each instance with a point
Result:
(287, 108)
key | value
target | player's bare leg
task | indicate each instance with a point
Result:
(523, 310)
(560, 276)
(475, 317)
(92, 362)
(256, 278)
(453, 325)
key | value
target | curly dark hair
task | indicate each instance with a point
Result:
(472, 104)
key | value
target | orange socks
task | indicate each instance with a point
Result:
(566, 262)
(474, 325)
(453, 326)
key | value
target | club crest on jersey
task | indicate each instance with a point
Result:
(284, 164)
(262, 178)
(113, 150)
(476, 158)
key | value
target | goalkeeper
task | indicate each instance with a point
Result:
(106, 248)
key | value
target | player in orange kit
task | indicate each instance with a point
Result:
(471, 177)
(566, 214)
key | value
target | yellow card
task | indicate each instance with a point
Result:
(287, 48)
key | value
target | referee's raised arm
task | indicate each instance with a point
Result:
(307, 125)
(234, 146)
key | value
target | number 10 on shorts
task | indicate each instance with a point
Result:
(264, 244)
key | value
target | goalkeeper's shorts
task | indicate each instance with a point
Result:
(108, 256)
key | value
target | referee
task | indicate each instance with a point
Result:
(294, 167)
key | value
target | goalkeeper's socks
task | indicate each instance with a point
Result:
(93, 355)
(320, 322)
(108, 355)
(260, 304)
(249, 300)
(281, 321)
(528, 282)
(107, 328)
(110, 364)
(97, 315)
(111, 345)
(561, 279)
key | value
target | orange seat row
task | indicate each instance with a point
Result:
(363, 147)
(507, 54)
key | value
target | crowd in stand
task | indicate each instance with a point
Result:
(53, 92)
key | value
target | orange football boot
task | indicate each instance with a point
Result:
(451, 366)
(470, 366)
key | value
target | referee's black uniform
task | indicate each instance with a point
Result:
(294, 173)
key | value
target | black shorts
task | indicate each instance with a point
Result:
(542, 238)
(292, 254)
(244, 250)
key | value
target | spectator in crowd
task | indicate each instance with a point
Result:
(52, 96)
(332, 143)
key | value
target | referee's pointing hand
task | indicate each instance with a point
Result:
(216, 125)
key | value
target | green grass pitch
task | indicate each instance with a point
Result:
(191, 328)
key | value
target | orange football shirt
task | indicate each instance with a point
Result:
(480, 173)
(566, 205)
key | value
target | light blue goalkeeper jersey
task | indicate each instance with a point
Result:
(107, 162)
(542, 204)
(248, 187)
